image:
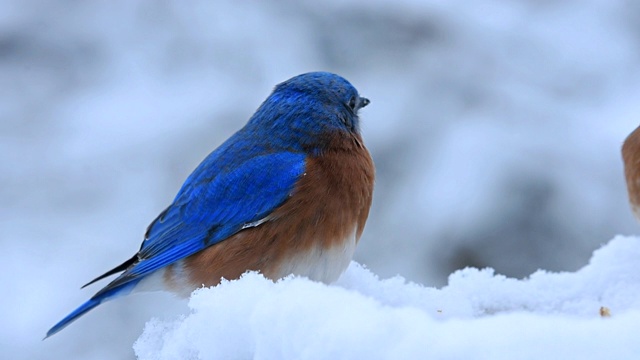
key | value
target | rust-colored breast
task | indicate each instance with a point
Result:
(328, 208)
(631, 159)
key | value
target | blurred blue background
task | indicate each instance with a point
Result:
(495, 127)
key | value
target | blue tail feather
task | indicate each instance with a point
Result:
(90, 304)
(83, 309)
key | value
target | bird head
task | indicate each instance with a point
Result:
(307, 109)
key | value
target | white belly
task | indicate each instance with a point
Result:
(320, 264)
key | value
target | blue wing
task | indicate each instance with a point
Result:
(235, 187)
(212, 206)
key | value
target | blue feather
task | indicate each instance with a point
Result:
(87, 306)
(210, 209)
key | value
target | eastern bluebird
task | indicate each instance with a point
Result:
(289, 193)
(631, 160)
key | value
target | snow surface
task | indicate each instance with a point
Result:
(478, 315)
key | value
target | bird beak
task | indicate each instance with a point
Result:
(364, 102)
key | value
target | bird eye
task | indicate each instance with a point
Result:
(352, 103)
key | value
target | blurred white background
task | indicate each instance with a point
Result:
(495, 127)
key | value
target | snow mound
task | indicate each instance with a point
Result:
(593, 313)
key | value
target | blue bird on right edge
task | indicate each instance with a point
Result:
(289, 193)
